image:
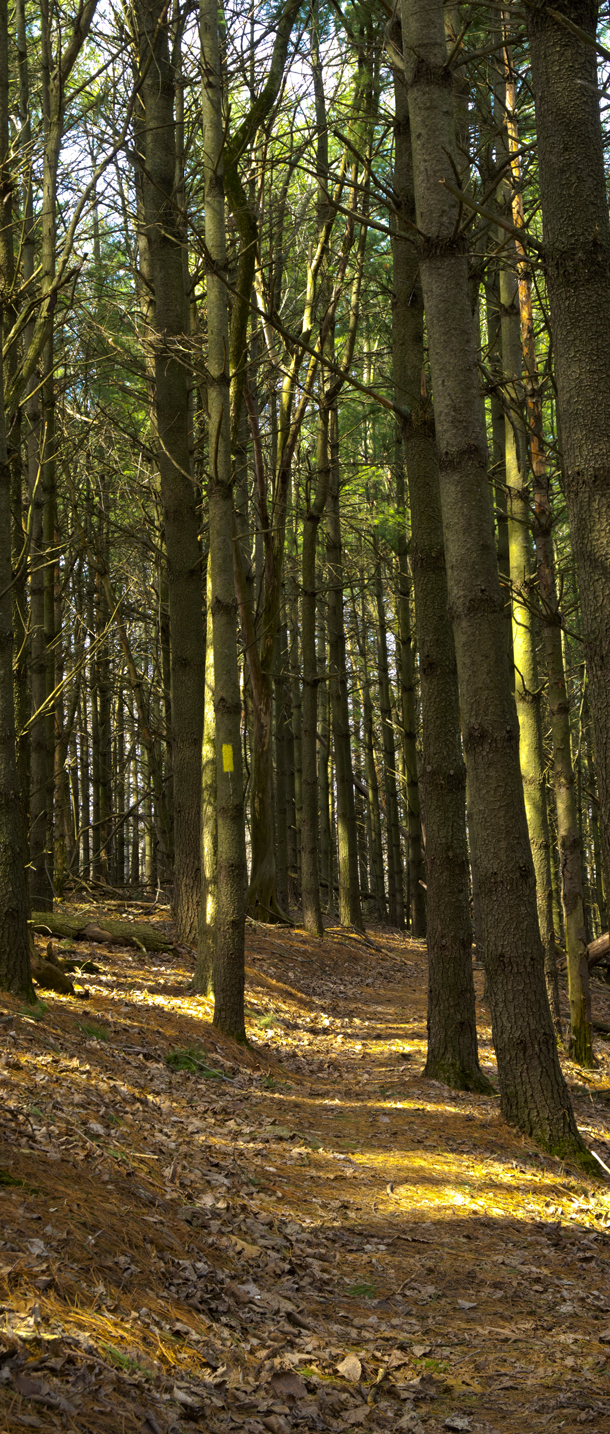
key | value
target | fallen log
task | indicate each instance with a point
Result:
(83, 928)
(597, 950)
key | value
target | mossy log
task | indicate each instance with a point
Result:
(84, 927)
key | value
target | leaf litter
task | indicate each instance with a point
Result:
(300, 1235)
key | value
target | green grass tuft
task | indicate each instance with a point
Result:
(96, 1033)
(192, 1060)
(36, 1012)
(364, 1290)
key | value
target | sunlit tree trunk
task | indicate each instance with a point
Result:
(206, 944)
(528, 692)
(229, 973)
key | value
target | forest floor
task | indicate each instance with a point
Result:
(311, 1237)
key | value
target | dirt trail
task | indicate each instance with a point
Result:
(303, 1235)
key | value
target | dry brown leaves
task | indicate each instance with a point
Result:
(304, 1235)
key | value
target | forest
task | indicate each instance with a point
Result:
(305, 487)
(304, 716)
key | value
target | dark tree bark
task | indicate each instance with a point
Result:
(533, 1092)
(14, 932)
(229, 969)
(452, 1036)
(396, 907)
(167, 336)
(576, 232)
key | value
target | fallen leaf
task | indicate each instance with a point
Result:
(420, 1349)
(183, 1397)
(410, 1421)
(151, 1425)
(457, 1421)
(251, 1252)
(396, 1359)
(289, 1384)
(357, 1416)
(276, 1424)
(29, 1387)
(350, 1368)
(36, 1247)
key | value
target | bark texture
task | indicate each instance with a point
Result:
(528, 692)
(229, 971)
(163, 231)
(576, 232)
(533, 1092)
(452, 1035)
(568, 833)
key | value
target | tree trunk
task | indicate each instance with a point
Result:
(326, 844)
(282, 777)
(600, 898)
(372, 784)
(498, 466)
(40, 890)
(14, 933)
(395, 871)
(85, 788)
(576, 231)
(181, 522)
(568, 835)
(452, 1039)
(204, 971)
(229, 970)
(528, 693)
(310, 880)
(406, 671)
(533, 1092)
(119, 791)
(349, 895)
(297, 738)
